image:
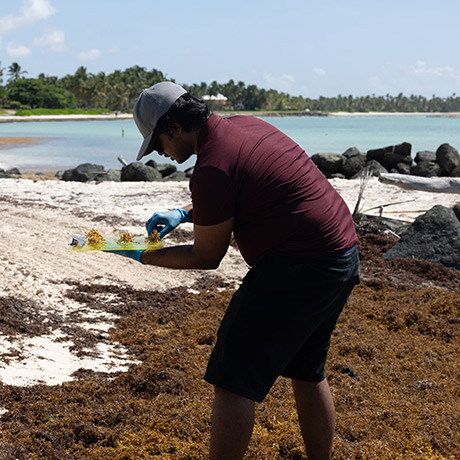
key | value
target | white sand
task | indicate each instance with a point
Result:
(37, 218)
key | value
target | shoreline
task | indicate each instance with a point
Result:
(127, 116)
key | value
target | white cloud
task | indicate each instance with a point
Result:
(420, 69)
(53, 39)
(91, 55)
(416, 78)
(31, 12)
(17, 50)
(320, 72)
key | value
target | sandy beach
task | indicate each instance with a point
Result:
(38, 269)
(11, 118)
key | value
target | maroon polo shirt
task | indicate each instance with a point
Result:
(281, 202)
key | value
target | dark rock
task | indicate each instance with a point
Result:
(456, 210)
(352, 152)
(112, 175)
(59, 174)
(176, 176)
(374, 168)
(425, 155)
(139, 172)
(83, 173)
(433, 236)
(447, 157)
(166, 169)
(391, 159)
(189, 172)
(426, 169)
(353, 164)
(377, 154)
(13, 172)
(455, 172)
(9, 172)
(402, 168)
(328, 162)
(152, 164)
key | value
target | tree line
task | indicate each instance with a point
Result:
(119, 90)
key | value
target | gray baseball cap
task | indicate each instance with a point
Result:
(152, 104)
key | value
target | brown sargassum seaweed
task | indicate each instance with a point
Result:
(393, 369)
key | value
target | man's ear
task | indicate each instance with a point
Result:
(175, 129)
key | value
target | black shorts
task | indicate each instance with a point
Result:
(280, 321)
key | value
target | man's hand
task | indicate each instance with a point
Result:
(166, 221)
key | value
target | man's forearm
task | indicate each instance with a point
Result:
(177, 257)
(189, 209)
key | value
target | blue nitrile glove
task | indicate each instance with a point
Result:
(134, 254)
(164, 222)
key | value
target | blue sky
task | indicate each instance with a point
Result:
(308, 48)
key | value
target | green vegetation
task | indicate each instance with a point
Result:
(31, 112)
(119, 90)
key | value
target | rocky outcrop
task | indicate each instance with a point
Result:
(132, 172)
(433, 236)
(445, 162)
(449, 159)
(83, 173)
(139, 172)
(112, 175)
(9, 173)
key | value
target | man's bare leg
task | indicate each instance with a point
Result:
(315, 407)
(232, 424)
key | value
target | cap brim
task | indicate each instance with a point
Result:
(145, 147)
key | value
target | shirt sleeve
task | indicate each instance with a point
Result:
(213, 196)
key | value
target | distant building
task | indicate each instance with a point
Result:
(216, 102)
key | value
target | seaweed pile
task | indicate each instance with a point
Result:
(393, 369)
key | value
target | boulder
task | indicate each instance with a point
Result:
(139, 172)
(189, 172)
(402, 168)
(352, 152)
(152, 164)
(377, 154)
(433, 236)
(353, 164)
(83, 173)
(176, 176)
(455, 172)
(112, 175)
(447, 157)
(166, 169)
(426, 169)
(328, 162)
(425, 155)
(456, 210)
(374, 168)
(391, 159)
(9, 172)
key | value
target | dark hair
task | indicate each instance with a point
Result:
(189, 111)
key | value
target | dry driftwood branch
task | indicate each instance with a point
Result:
(427, 184)
(363, 180)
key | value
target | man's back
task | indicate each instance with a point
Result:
(249, 170)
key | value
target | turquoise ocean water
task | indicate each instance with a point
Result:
(69, 143)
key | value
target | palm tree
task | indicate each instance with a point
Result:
(15, 71)
(1, 73)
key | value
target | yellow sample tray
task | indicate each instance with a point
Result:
(80, 243)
